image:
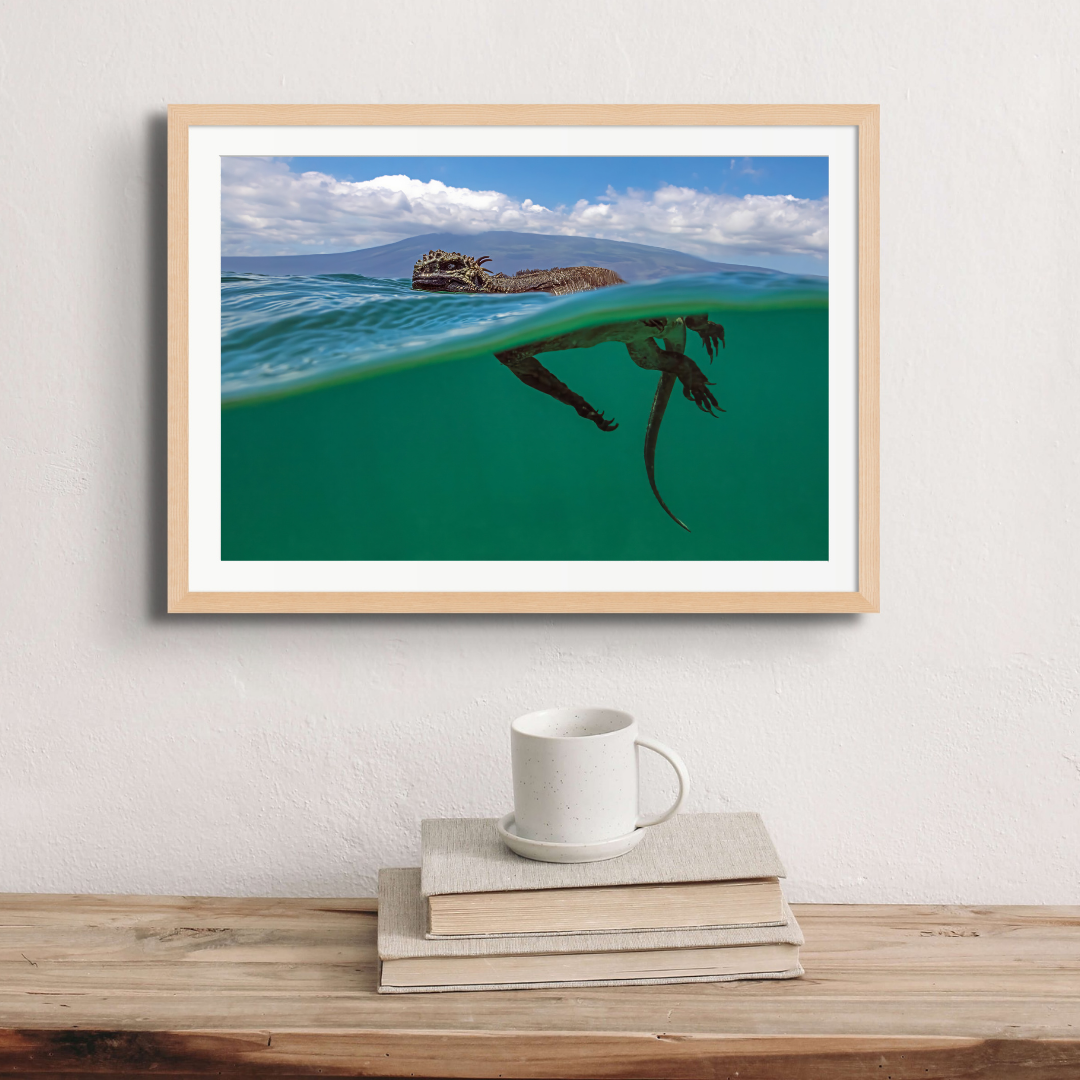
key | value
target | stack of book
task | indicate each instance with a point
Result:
(698, 900)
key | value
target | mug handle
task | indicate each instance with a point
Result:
(680, 769)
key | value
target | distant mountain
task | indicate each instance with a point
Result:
(509, 251)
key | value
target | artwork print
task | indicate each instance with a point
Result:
(463, 358)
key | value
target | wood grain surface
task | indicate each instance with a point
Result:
(173, 986)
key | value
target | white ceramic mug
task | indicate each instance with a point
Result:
(576, 775)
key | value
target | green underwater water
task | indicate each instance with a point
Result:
(460, 460)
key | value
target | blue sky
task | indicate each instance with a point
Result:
(555, 181)
(770, 211)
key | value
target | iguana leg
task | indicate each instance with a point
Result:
(647, 354)
(532, 373)
(676, 339)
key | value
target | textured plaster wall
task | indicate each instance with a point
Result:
(928, 753)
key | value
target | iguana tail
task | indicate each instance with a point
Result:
(652, 431)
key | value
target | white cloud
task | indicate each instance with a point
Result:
(269, 210)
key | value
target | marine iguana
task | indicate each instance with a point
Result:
(450, 271)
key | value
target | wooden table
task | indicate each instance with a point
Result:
(166, 986)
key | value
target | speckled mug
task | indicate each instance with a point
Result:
(576, 775)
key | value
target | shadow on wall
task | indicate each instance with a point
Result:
(156, 264)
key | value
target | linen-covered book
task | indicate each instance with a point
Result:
(696, 870)
(410, 962)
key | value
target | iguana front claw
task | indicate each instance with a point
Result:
(709, 332)
(695, 385)
(696, 389)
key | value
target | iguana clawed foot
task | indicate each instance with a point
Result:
(600, 422)
(695, 386)
(584, 409)
(709, 332)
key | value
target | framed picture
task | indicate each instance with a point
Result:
(523, 358)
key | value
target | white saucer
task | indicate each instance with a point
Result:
(546, 851)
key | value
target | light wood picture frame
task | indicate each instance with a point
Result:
(843, 576)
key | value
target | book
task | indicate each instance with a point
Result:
(696, 870)
(411, 962)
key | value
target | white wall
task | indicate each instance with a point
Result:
(928, 753)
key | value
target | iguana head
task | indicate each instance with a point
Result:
(449, 271)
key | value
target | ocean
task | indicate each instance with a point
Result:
(362, 420)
